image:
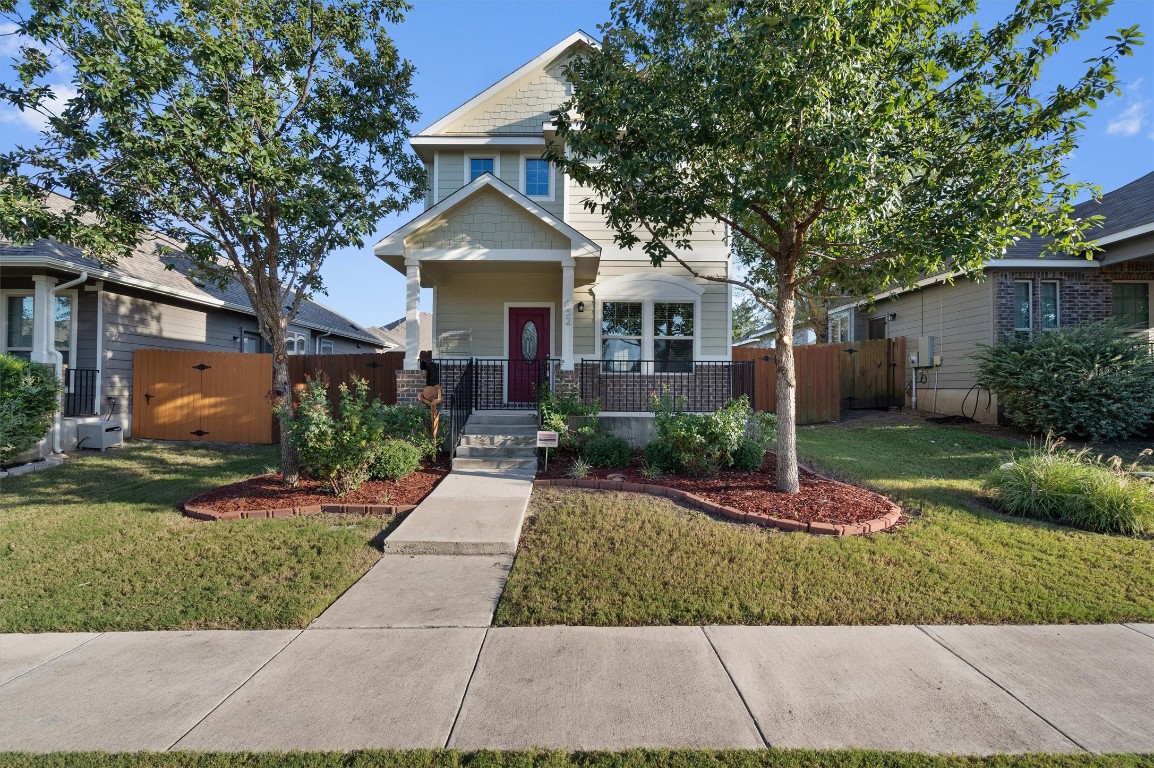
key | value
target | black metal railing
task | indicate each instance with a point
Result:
(460, 402)
(80, 391)
(501, 384)
(631, 386)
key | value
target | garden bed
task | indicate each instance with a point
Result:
(264, 497)
(822, 506)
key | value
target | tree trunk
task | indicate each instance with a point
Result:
(283, 396)
(787, 476)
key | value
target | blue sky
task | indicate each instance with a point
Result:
(460, 47)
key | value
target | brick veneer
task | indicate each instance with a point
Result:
(1084, 295)
(197, 512)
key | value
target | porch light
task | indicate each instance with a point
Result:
(580, 306)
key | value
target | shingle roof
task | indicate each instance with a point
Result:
(154, 266)
(1124, 208)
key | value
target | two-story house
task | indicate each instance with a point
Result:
(528, 283)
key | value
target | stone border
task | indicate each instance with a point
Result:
(202, 513)
(887, 521)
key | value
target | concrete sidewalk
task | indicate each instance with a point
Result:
(964, 689)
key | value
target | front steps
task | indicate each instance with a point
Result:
(498, 440)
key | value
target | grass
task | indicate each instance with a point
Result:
(99, 545)
(604, 559)
(773, 758)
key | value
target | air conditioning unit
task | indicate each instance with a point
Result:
(99, 436)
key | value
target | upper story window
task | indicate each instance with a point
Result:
(537, 177)
(1023, 306)
(1049, 305)
(480, 165)
(1132, 305)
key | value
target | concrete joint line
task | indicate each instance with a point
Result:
(54, 658)
(1006, 690)
(232, 693)
(465, 693)
(1140, 632)
(740, 695)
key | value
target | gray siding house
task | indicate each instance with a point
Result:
(520, 269)
(1019, 292)
(60, 307)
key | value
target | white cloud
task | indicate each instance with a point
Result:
(1131, 121)
(36, 121)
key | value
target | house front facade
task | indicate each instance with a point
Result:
(525, 280)
(1022, 293)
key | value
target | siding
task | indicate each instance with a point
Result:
(84, 356)
(452, 174)
(488, 220)
(519, 109)
(959, 316)
(474, 301)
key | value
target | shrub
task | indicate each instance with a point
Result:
(749, 455)
(580, 469)
(338, 450)
(1069, 487)
(567, 414)
(700, 445)
(606, 450)
(394, 459)
(414, 425)
(29, 396)
(1093, 381)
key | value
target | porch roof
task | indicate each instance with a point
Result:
(401, 245)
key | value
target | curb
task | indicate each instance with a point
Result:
(885, 522)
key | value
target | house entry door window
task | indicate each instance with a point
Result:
(529, 335)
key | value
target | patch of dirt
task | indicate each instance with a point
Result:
(820, 500)
(266, 492)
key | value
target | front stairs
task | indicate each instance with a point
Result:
(499, 440)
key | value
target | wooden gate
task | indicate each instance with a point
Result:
(864, 374)
(210, 396)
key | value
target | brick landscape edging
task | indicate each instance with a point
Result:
(885, 522)
(203, 513)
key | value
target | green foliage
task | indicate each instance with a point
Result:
(701, 444)
(395, 459)
(1093, 381)
(29, 396)
(579, 470)
(606, 450)
(413, 424)
(749, 455)
(570, 417)
(339, 449)
(261, 136)
(856, 145)
(1071, 487)
(748, 317)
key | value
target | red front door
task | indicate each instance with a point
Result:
(529, 335)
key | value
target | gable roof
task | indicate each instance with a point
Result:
(394, 333)
(156, 266)
(391, 249)
(578, 37)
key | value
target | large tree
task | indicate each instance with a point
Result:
(260, 134)
(859, 144)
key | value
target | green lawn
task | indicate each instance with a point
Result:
(99, 545)
(773, 758)
(597, 558)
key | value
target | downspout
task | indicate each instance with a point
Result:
(323, 335)
(58, 359)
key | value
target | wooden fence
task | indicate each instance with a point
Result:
(224, 396)
(830, 377)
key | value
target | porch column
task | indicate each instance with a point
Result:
(567, 318)
(43, 320)
(413, 315)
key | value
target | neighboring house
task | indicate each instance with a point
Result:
(393, 334)
(1017, 293)
(57, 300)
(520, 270)
(764, 338)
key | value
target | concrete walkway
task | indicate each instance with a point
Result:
(964, 689)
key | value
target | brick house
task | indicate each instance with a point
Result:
(1020, 292)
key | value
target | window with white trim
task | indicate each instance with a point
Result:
(326, 347)
(673, 337)
(1049, 305)
(840, 329)
(19, 319)
(481, 165)
(1023, 306)
(296, 343)
(537, 173)
(621, 336)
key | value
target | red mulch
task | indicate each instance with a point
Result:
(820, 499)
(266, 492)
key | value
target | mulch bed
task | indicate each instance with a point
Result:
(264, 495)
(822, 506)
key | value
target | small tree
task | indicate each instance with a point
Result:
(261, 135)
(855, 144)
(29, 397)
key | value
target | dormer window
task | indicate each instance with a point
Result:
(537, 176)
(480, 165)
